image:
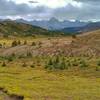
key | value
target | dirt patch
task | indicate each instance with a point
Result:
(10, 97)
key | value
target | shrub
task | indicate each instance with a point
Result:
(3, 64)
(62, 65)
(39, 43)
(25, 42)
(57, 59)
(74, 62)
(50, 62)
(24, 65)
(83, 64)
(10, 59)
(21, 56)
(32, 66)
(68, 64)
(0, 45)
(56, 63)
(29, 54)
(19, 42)
(98, 62)
(14, 43)
(5, 35)
(97, 68)
(74, 36)
(33, 44)
(13, 55)
(49, 65)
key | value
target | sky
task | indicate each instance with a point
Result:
(84, 10)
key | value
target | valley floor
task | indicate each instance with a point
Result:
(23, 74)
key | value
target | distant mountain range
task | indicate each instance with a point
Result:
(66, 26)
(89, 27)
(54, 24)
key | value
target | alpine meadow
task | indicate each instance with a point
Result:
(49, 50)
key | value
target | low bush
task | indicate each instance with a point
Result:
(24, 65)
(83, 64)
(33, 44)
(3, 64)
(56, 63)
(14, 43)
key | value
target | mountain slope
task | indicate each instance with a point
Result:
(86, 28)
(14, 28)
(54, 24)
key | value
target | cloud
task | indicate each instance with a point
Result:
(85, 12)
(87, 0)
(33, 1)
(10, 8)
(75, 9)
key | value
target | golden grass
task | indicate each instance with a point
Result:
(39, 84)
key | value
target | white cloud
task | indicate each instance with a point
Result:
(50, 3)
(45, 9)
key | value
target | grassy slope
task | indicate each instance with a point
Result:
(13, 28)
(39, 84)
(20, 29)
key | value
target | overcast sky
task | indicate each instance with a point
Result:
(45, 9)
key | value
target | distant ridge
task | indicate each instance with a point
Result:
(9, 27)
(87, 28)
(54, 24)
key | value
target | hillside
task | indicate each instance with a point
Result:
(45, 66)
(87, 44)
(87, 28)
(14, 28)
